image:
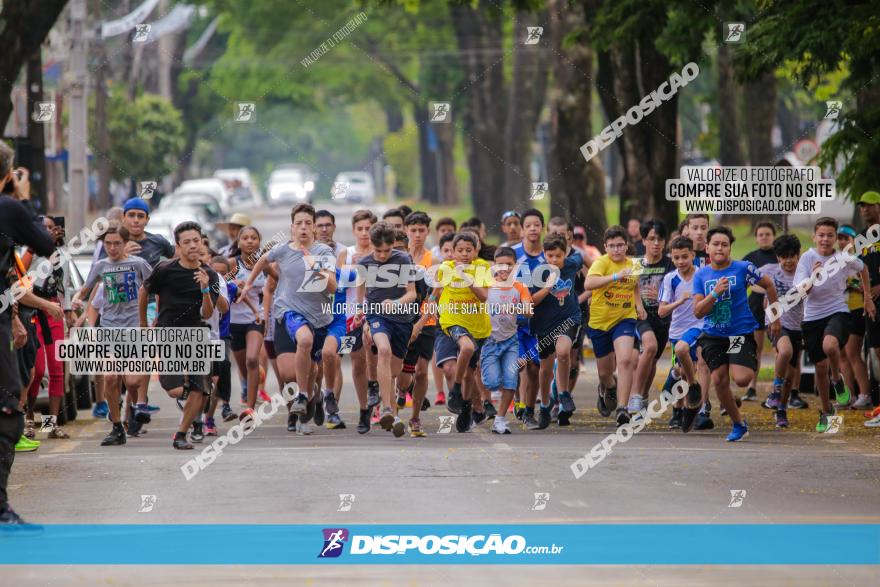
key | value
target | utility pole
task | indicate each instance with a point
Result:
(36, 140)
(78, 171)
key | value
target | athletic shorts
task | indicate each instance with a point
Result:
(857, 325)
(815, 331)
(603, 340)
(358, 334)
(690, 336)
(269, 345)
(421, 348)
(658, 327)
(528, 346)
(547, 341)
(239, 334)
(756, 305)
(336, 329)
(196, 382)
(446, 346)
(285, 335)
(719, 351)
(398, 333)
(797, 343)
(578, 343)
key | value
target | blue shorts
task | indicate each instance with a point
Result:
(398, 333)
(336, 329)
(690, 336)
(285, 335)
(603, 340)
(528, 345)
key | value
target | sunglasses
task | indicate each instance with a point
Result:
(509, 214)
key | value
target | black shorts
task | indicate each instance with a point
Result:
(240, 331)
(578, 342)
(857, 326)
(719, 351)
(797, 343)
(547, 340)
(398, 333)
(815, 331)
(446, 348)
(756, 305)
(660, 329)
(421, 348)
(285, 344)
(196, 382)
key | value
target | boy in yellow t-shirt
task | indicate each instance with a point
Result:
(464, 323)
(615, 305)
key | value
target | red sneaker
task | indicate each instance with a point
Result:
(873, 414)
(440, 399)
(264, 397)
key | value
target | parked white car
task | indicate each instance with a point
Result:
(289, 186)
(215, 187)
(354, 186)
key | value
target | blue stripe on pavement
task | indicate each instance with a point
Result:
(582, 544)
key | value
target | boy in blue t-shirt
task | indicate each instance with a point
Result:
(728, 345)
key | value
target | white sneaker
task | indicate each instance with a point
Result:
(875, 423)
(303, 429)
(635, 404)
(499, 426)
(863, 402)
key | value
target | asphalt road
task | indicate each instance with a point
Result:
(274, 476)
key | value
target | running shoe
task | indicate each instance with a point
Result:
(227, 413)
(25, 445)
(142, 414)
(862, 402)
(622, 417)
(311, 410)
(739, 432)
(300, 404)
(100, 410)
(426, 404)
(750, 395)
(463, 421)
(198, 432)
(489, 408)
(543, 417)
(781, 419)
(694, 395)
(822, 424)
(334, 422)
(455, 400)
(675, 420)
(873, 413)
(440, 399)
(611, 398)
(841, 391)
(795, 401)
(373, 398)
(566, 402)
(8, 519)
(319, 411)
(773, 400)
(635, 405)
(479, 417)
(387, 419)
(529, 422)
(303, 428)
(687, 418)
(116, 436)
(519, 410)
(292, 420)
(30, 430)
(415, 428)
(601, 405)
(398, 427)
(704, 421)
(364, 421)
(873, 423)
(153, 409)
(58, 433)
(374, 419)
(135, 428)
(401, 398)
(263, 396)
(330, 404)
(554, 413)
(180, 443)
(210, 427)
(499, 426)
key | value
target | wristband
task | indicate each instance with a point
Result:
(714, 294)
(614, 277)
(206, 290)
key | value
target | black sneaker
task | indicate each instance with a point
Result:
(373, 398)
(463, 421)
(563, 418)
(543, 417)
(134, 427)
(364, 421)
(198, 432)
(116, 436)
(291, 422)
(454, 400)
(319, 410)
(489, 407)
(426, 404)
(180, 443)
(675, 420)
(529, 422)
(688, 417)
(228, 414)
(622, 418)
(611, 398)
(311, 409)
(603, 408)
(704, 422)
(694, 395)
(479, 418)
(750, 395)
(795, 401)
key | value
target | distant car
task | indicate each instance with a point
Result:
(163, 221)
(289, 186)
(240, 177)
(206, 202)
(354, 186)
(215, 187)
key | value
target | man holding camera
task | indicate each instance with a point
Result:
(17, 227)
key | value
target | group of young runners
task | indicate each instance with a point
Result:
(501, 330)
